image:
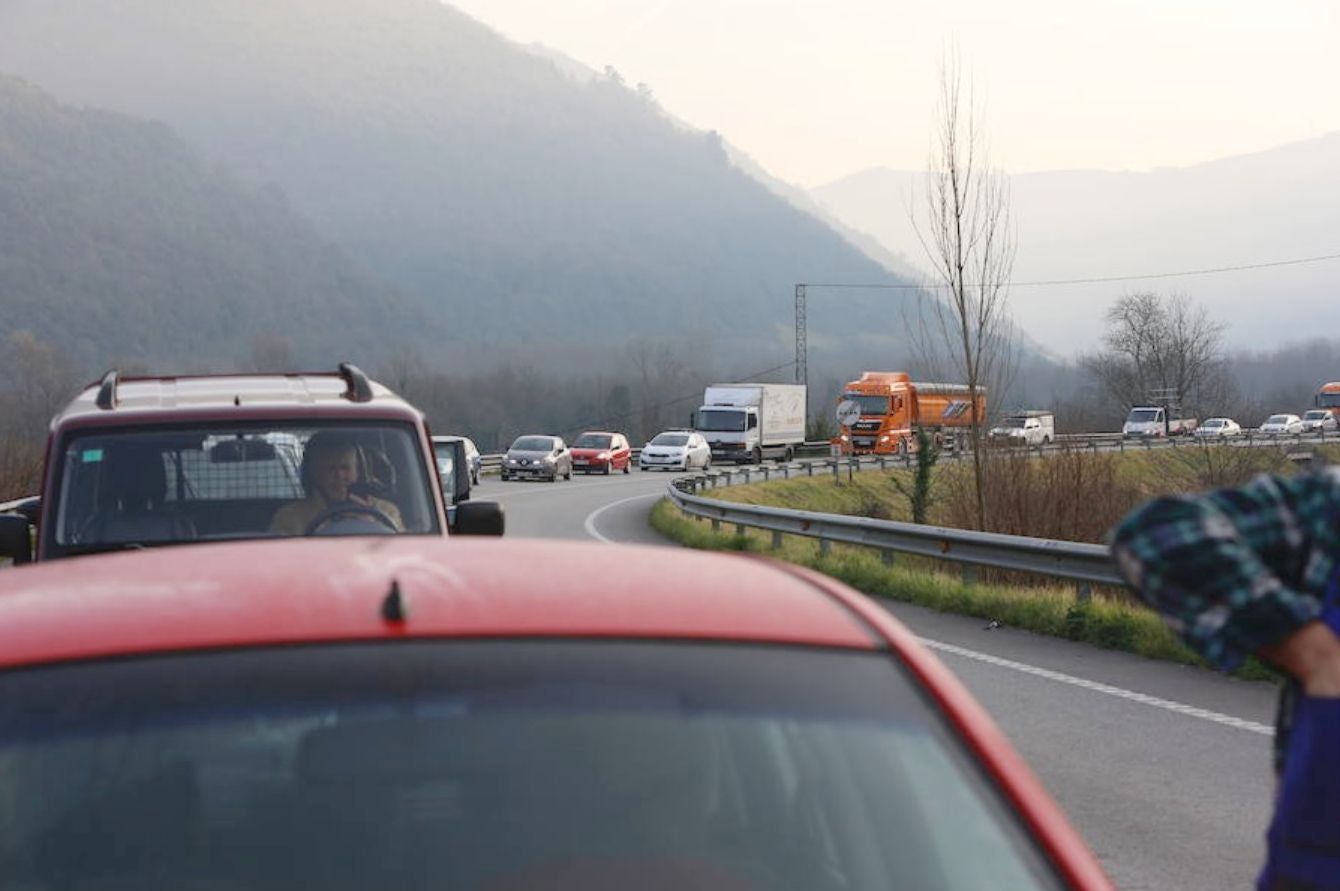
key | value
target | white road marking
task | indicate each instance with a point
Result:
(591, 517)
(1142, 698)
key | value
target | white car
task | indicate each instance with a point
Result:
(1282, 425)
(1218, 428)
(1319, 420)
(676, 450)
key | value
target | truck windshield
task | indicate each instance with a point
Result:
(1143, 415)
(1328, 400)
(122, 489)
(870, 405)
(721, 420)
(1015, 423)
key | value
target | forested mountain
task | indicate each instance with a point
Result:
(119, 244)
(1278, 204)
(514, 204)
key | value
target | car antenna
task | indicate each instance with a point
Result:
(393, 605)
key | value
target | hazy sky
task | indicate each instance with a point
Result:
(817, 89)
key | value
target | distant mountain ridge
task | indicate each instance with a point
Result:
(1277, 204)
(511, 203)
(119, 244)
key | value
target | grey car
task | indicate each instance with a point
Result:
(539, 456)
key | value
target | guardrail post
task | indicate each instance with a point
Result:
(1084, 592)
(887, 557)
(748, 475)
(809, 468)
(767, 473)
(969, 574)
(716, 524)
(786, 471)
(824, 547)
(883, 462)
(739, 530)
(776, 540)
(837, 478)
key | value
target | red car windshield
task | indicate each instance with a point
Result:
(592, 441)
(495, 765)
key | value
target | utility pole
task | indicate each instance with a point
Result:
(802, 372)
(802, 350)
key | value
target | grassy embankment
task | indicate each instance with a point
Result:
(1076, 497)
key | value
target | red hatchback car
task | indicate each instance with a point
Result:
(414, 713)
(598, 451)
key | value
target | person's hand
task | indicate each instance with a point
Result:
(1324, 681)
(1312, 655)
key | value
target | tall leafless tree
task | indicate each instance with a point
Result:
(1159, 347)
(968, 237)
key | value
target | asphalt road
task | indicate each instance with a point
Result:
(1164, 769)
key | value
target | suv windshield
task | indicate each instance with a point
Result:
(131, 488)
(494, 765)
(593, 441)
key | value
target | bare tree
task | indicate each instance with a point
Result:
(1166, 345)
(969, 239)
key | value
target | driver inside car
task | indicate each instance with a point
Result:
(330, 476)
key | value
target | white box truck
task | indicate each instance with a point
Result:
(750, 422)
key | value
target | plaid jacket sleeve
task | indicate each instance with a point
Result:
(1237, 569)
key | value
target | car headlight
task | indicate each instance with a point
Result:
(884, 438)
(844, 437)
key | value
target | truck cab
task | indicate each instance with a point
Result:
(892, 407)
(156, 461)
(1145, 422)
(747, 422)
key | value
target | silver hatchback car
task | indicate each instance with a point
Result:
(539, 456)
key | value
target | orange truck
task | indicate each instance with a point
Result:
(890, 408)
(1328, 397)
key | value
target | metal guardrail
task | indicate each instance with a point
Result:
(1084, 564)
(1095, 442)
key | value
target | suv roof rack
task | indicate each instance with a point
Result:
(107, 391)
(360, 388)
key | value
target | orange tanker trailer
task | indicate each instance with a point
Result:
(891, 408)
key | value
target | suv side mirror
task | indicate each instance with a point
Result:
(479, 518)
(16, 541)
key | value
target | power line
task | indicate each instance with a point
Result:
(1086, 281)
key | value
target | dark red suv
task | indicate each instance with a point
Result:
(146, 461)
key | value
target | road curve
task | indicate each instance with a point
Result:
(1164, 769)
